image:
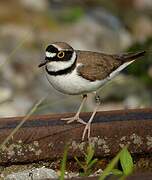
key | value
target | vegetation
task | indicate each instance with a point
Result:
(126, 163)
(89, 161)
(139, 69)
(63, 163)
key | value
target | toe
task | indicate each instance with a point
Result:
(65, 119)
(81, 121)
(70, 120)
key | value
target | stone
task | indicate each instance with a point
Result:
(5, 94)
(37, 5)
(35, 174)
(7, 110)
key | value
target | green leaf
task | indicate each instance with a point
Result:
(110, 166)
(117, 172)
(92, 163)
(79, 163)
(90, 154)
(81, 174)
(63, 163)
(126, 162)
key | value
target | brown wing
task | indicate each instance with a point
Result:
(97, 66)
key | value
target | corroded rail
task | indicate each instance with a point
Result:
(44, 137)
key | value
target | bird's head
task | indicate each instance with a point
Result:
(57, 54)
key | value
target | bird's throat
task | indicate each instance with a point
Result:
(63, 71)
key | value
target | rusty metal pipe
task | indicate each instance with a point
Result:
(44, 137)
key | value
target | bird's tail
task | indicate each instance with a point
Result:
(130, 56)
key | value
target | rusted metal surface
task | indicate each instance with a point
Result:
(44, 137)
(139, 176)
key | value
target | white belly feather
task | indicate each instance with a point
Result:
(74, 84)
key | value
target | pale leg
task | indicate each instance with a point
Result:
(88, 125)
(76, 117)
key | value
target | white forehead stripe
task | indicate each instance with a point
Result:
(48, 54)
(59, 48)
(56, 46)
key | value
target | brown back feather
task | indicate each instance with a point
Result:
(97, 66)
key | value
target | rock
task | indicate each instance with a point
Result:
(3, 57)
(17, 70)
(35, 174)
(69, 175)
(140, 33)
(8, 110)
(18, 106)
(36, 5)
(5, 94)
(143, 4)
(12, 35)
(22, 103)
(124, 91)
(132, 101)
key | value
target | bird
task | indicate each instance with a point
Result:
(80, 72)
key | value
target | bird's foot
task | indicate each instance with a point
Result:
(87, 128)
(72, 119)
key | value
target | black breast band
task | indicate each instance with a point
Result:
(63, 71)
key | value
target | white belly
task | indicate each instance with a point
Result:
(74, 84)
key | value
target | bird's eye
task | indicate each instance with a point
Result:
(60, 54)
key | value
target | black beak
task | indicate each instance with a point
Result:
(43, 63)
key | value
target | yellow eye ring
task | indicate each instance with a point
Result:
(61, 54)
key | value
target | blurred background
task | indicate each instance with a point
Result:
(114, 26)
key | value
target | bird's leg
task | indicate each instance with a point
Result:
(88, 125)
(76, 117)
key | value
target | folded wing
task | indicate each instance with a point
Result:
(98, 66)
